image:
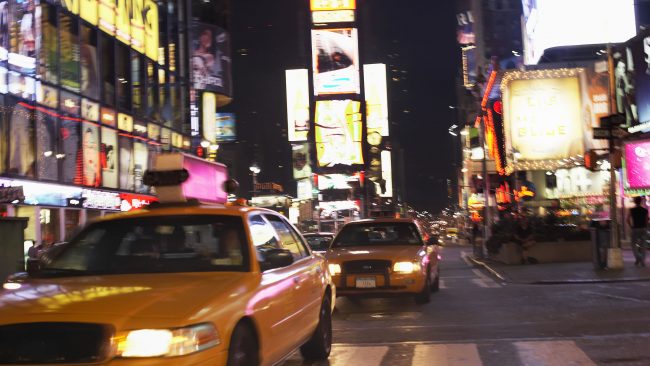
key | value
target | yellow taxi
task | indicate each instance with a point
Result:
(177, 284)
(384, 257)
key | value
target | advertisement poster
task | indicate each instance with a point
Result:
(225, 127)
(89, 63)
(374, 78)
(470, 67)
(297, 104)
(625, 87)
(48, 55)
(465, 23)
(127, 179)
(4, 32)
(70, 140)
(637, 164)
(595, 102)
(21, 86)
(338, 133)
(46, 146)
(91, 162)
(140, 161)
(335, 61)
(47, 95)
(301, 161)
(69, 51)
(21, 130)
(22, 55)
(641, 54)
(211, 59)
(543, 117)
(108, 157)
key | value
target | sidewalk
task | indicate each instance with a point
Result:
(558, 273)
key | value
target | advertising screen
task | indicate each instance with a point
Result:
(374, 78)
(301, 161)
(4, 31)
(21, 130)
(22, 28)
(554, 23)
(595, 101)
(332, 16)
(69, 44)
(338, 133)
(640, 49)
(297, 104)
(225, 127)
(543, 117)
(46, 145)
(127, 177)
(465, 23)
(71, 141)
(470, 66)
(304, 189)
(211, 59)
(335, 181)
(637, 164)
(91, 162)
(335, 61)
(386, 186)
(108, 157)
(318, 5)
(140, 161)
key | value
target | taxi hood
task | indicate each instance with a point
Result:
(386, 252)
(115, 297)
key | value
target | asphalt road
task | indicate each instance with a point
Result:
(477, 320)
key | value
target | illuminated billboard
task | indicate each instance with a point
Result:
(554, 23)
(637, 164)
(211, 59)
(225, 127)
(318, 5)
(335, 61)
(374, 78)
(386, 185)
(332, 16)
(297, 104)
(301, 161)
(543, 118)
(338, 133)
(639, 50)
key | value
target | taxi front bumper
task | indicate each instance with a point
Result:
(379, 283)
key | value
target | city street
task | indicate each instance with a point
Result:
(475, 320)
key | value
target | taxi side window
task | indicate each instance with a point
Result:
(288, 238)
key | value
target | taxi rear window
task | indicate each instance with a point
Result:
(166, 244)
(400, 233)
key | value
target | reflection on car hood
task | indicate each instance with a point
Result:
(175, 295)
(388, 252)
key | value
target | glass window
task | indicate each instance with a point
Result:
(369, 234)
(71, 223)
(164, 244)
(126, 174)
(3, 134)
(70, 140)
(319, 242)
(23, 36)
(108, 70)
(123, 62)
(21, 144)
(263, 234)
(89, 63)
(152, 91)
(69, 40)
(91, 157)
(288, 239)
(49, 220)
(140, 160)
(46, 145)
(48, 67)
(137, 79)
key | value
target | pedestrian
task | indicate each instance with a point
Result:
(638, 222)
(524, 238)
(476, 231)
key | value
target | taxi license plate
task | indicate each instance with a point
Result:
(366, 282)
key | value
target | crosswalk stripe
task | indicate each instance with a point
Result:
(442, 284)
(542, 353)
(346, 356)
(446, 355)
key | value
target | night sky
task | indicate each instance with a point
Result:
(414, 37)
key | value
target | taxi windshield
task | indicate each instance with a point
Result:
(162, 244)
(369, 234)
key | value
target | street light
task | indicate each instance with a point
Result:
(255, 170)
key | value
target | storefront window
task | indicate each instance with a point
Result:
(123, 63)
(108, 70)
(32, 224)
(92, 215)
(69, 40)
(21, 145)
(72, 218)
(137, 77)
(89, 63)
(127, 180)
(50, 230)
(48, 66)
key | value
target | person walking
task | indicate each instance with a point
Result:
(638, 222)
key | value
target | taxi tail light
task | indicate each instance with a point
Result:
(165, 342)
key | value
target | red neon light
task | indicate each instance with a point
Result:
(488, 89)
(498, 107)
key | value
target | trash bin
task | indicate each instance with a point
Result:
(600, 237)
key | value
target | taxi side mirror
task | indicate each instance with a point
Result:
(433, 240)
(276, 258)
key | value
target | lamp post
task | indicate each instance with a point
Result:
(255, 170)
(515, 156)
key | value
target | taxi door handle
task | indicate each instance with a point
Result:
(297, 280)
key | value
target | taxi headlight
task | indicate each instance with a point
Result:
(334, 268)
(166, 342)
(405, 267)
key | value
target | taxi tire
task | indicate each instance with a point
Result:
(319, 346)
(435, 286)
(424, 297)
(243, 349)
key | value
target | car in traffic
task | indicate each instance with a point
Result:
(176, 284)
(319, 242)
(384, 257)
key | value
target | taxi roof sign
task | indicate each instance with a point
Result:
(179, 177)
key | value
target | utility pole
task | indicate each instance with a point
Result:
(486, 191)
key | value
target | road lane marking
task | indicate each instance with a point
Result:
(446, 355)
(346, 356)
(552, 353)
(442, 285)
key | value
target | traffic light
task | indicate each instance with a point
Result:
(591, 159)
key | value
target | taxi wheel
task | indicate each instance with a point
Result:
(424, 297)
(320, 344)
(435, 286)
(243, 350)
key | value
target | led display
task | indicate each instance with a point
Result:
(297, 104)
(301, 161)
(46, 145)
(553, 23)
(637, 164)
(21, 130)
(374, 78)
(108, 157)
(225, 127)
(211, 59)
(335, 61)
(140, 161)
(332, 16)
(317, 5)
(338, 133)
(127, 178)
(70, 141)
(91, 157)
(22, 48)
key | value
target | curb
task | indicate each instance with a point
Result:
(494, 272)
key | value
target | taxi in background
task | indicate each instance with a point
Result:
(319, 242)
(183, 283)
(384, 257)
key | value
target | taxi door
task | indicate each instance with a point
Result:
(308, 287)
(274, 303)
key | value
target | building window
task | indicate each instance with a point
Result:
(49, 49)
(69, 40)
(137, 79)
(108, 70)
(123, 62)
(21, 144)
(89, 63)
(152, 91)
